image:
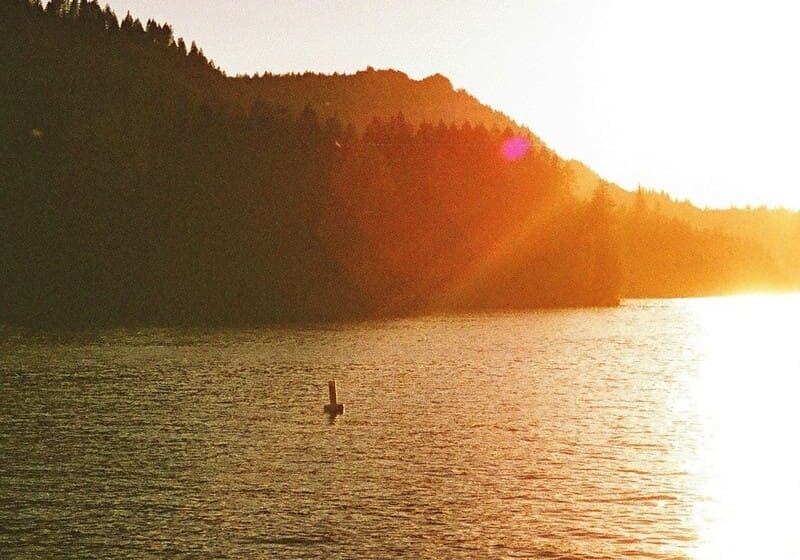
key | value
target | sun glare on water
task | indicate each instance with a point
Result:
(745, 398)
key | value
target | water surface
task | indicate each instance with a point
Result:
(661, 429)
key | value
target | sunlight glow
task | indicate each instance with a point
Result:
(747, 461)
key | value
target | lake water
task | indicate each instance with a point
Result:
(661, 429)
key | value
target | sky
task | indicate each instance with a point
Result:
(696, 98)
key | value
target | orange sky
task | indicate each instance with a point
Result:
(695, 98)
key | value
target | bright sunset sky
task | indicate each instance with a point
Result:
(696, 98)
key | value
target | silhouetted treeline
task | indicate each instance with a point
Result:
(665, 256)
(134, 188)
(673, 248)
(140, 184)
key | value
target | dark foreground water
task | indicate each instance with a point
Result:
(662, 429)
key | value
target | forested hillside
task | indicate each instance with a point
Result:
(138, 183)
(361, 96)
(776, 231)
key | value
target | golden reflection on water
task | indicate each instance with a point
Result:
(659, 429)
(744, 395)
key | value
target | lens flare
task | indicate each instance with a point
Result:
(515, 148)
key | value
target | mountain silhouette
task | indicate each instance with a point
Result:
(140, 184)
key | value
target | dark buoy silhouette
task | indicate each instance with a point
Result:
(333, 408)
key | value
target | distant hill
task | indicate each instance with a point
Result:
(360, 97)
(777, 230)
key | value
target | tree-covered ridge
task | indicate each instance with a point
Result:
(775, 232)
(140, 184)
(359, 97)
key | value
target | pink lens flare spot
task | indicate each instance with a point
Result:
(515, 148)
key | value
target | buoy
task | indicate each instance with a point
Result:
(333, 408)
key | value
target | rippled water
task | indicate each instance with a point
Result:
(662, 429)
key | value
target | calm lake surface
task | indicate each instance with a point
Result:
(661, 429)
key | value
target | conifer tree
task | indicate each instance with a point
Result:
(57, 7)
